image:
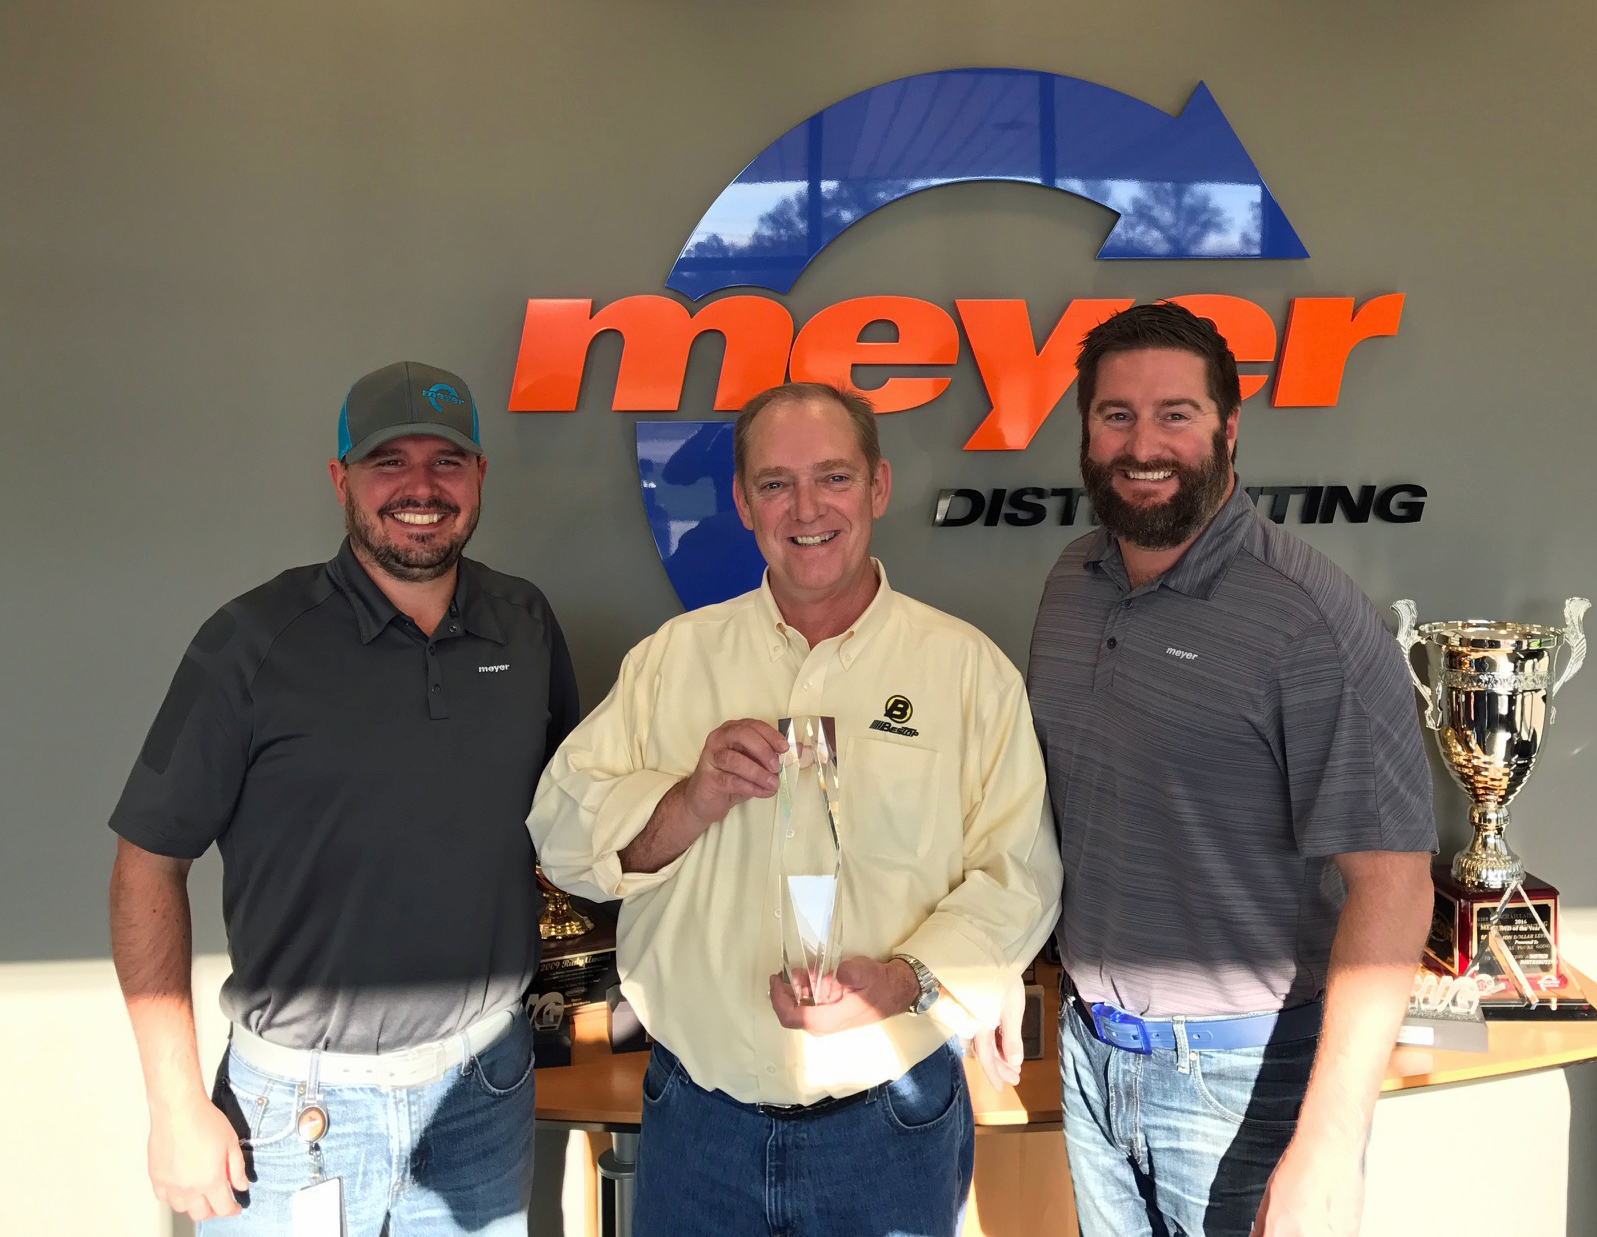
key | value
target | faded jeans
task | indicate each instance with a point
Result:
(445, 1158)
(1171, 1145)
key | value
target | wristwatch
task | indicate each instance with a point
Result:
(930, 989)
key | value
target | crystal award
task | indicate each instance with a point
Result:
(811, 855)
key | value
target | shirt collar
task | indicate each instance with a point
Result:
(1200, 569)
(1102, 549)
(373, 610)
(779, 633)
(471, 602)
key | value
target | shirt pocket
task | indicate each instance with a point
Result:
(888, 795)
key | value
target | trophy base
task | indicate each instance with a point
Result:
(1487, 869)
(582, 969)
(1461, 925)
(560, 920)
(560, 927)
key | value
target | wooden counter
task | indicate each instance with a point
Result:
(1512, 1048)
(599, 1091)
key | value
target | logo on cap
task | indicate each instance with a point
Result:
(441, 393)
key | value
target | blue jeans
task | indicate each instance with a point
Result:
(449, 1157)
(1178, 1147)
(897, 1164)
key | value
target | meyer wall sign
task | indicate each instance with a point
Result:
(1181, 186)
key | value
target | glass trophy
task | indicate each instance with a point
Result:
(1516, 954)
(811, 857)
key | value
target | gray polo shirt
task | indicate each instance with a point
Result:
(1213, 738)
(368, 789)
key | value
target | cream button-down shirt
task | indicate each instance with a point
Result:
(948, 853)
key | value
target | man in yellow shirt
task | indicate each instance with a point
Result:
(760, 1113)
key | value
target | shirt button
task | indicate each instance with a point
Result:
(1111, 642)
(437, 688)
(809, 684)
(770, 1069)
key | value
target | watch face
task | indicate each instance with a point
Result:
(929, 988)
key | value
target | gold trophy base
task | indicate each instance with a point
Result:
(560, 919)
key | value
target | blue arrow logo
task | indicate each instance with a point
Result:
(1182, 186)
(685, 472)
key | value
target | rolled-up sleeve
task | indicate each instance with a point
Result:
(990, 925)
(595, 795)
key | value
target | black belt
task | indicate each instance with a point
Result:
(821, 1108)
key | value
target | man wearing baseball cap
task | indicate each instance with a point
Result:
(361, 740)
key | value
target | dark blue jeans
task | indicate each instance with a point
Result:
(897, 1164)
(1171, 1144)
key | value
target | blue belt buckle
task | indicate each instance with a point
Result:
(1114, 1024)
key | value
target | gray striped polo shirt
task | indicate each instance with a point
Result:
(1213, 738)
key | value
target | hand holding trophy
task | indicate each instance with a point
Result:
(809, 844)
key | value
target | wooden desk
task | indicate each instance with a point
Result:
(1513, 1048)
(601, 1091)
(1022, 1185)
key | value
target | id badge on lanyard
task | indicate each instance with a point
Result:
(318, 1209)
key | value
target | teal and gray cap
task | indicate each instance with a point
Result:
(406, 397)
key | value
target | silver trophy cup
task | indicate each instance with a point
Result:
(1489, 700)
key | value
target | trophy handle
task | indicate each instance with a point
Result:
(1408, 636)
(1574, 610)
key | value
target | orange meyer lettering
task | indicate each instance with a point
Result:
(1023, 383)
(657, 334)
(1320, 332)
(829, 347)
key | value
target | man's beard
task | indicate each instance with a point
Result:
(1200, 490)
(411, 563)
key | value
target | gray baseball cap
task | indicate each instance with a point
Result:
(406, 397)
